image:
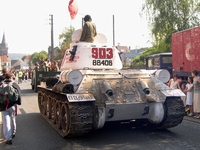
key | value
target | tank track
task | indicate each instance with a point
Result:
(175, 111)
(68, 119)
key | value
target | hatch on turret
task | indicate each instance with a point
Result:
(97, 55)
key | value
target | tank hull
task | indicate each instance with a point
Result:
(110, 95)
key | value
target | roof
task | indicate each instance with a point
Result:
(3, 43)
(15, 63)
(133, 53)
(4, 58)
(161, 54)
(3, 39)
(27, 57)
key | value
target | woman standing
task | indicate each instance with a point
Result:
(196, 97)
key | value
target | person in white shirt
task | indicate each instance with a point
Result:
(189, 98)
(173, 83)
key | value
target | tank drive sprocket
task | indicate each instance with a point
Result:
(174, 109)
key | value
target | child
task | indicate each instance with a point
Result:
(189, 98)
(183, 87)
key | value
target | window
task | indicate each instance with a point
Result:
(157, 61)
(166, 59)
(150, 64)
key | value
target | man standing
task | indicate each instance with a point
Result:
(89, 30)
(8, 115)
(20, 74)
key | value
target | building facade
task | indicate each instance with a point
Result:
(3, 47)
(4, 59)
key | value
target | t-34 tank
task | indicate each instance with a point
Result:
(93, 89)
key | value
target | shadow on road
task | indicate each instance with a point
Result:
(116, 136)
(33, 133)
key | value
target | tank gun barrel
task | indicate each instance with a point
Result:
(106, 88)
(145, 87)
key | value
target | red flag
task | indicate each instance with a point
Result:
(73, 8)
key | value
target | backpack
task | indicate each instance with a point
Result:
(8, 95)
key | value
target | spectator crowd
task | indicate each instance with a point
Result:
(192, 92)
(46, 65)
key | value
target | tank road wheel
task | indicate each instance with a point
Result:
(35, 86)
(40, 99)
(175, 112)
(45, 105)
(49, 107)
(54, 110)
(42, 103)
(65, 118)
(57, 114)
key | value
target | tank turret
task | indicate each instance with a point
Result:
(97, 55)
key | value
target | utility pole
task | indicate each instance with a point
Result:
(113, 30)
(52, 41)
(82, 24)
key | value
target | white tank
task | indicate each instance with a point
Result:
(97, 55)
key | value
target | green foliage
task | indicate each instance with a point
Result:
(59, 56)
(66, 37)
(140, 60)
(36, 57)
(166, 17)
(23, 57)
(169, 16)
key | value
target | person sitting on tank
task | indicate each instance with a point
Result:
(89, 30)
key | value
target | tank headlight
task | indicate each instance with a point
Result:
(75, 77)
(163, 75)
(72, 76)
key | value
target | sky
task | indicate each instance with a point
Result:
(27, 29)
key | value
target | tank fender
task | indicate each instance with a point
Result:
(156, 113)
(173, 93)
(77, 97)
(100, 117)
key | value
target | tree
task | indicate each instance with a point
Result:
(65, 39)
(168, 16)
(36, 57)
(24, 57)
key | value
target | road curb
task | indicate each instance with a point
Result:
(192, 119)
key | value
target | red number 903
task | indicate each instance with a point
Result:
(102, 53)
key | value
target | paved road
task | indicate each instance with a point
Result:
(34, 133)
